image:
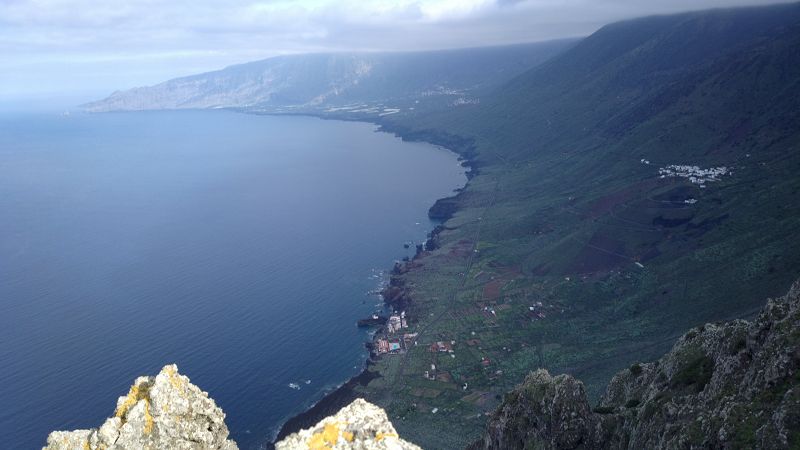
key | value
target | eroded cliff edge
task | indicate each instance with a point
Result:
(723, 385)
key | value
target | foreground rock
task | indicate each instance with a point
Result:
(161, 412)
(730, 385)
(360, 425)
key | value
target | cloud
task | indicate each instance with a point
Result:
(134, 42)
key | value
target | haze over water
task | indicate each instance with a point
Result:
(239, 247)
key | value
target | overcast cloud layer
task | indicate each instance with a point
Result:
(95, 46)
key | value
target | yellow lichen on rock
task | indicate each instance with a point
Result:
(326, 438)
(148, 418)
(381, 436)
(162, 412)
(130, 400)
(317, 442)
(331, 433)
(172, 375)
(175, 379)
(360, 425)
(138, 392)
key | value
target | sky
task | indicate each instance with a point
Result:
(90, 48)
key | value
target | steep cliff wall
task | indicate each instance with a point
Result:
(726, 385)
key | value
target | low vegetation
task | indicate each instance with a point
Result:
(566, 251)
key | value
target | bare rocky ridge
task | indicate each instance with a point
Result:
(161, 412)
(169, 412)
(360, 425)
(725, 385)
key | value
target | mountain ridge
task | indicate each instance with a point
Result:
(324, 80)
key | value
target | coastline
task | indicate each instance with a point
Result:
(345, 394)
(463, 147)
(331, 402)
(328, 405)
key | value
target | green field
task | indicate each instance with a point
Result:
(564, 213)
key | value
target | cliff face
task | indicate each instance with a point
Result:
(165, 411)
(730, 385)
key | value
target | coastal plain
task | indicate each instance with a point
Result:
(575, 247)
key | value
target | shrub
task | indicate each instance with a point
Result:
(697, 373)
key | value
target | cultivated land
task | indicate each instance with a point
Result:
(569, 250)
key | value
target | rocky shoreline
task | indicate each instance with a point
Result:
(327, 405)
(393, 294)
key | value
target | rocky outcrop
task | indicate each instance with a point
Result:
(161, 412)
(360, 425)
(726, 385)
(443, 209)
(169, 412)
(552, 410)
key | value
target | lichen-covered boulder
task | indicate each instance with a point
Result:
(360, 425)
(161, 412)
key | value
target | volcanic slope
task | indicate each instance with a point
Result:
(641, 183)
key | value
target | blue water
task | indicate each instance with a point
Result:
(239, 247)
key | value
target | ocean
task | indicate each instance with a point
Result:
(240, 247)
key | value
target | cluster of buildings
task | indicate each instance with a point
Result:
(536, 311)
(384, 345)
(390, 343)
(431, 374)
(442, 347)
(694, 174)
(396, 323)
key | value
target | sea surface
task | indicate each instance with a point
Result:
(239, 247)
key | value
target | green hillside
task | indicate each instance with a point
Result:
(568, 250)
(367, 83)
